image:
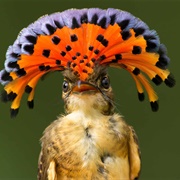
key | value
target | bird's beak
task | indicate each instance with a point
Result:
(83, 86)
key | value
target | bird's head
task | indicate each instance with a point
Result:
(83, 44)
(95, 92)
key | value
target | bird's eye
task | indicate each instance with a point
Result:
(105, 82)
(65, 86)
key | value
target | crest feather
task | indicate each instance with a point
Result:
(80, 40)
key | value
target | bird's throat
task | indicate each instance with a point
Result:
(87, 102)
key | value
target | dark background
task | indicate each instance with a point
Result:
(158, 132)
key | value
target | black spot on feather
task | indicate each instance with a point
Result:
(74, 65)
(170, 81)
(76, 73)
(163, 61)
(74, 38)
(118, 56)
(58, 62)
(105, 42)
(93, 59)
(102, 57)
(96, 51)
(63, 53)
(91, 48)
(31, 39)
(14, 112)
(114, 61)
(50, 28)
(84, 18)
(4, 96)
(136, 71)
(68, 64)
(30, 104)
(56, 40)
(29, 48)
(58, 24)
(141, 96)
(21, 72)
(46, 52)
(6, 76)
(113, 19)
(68, 48)
(125, 35)
(47, 68)
(123, 24)
(154, 106)
(88, 64)
(150, 46)
(157, 80)
(28, 89)
(75, 23)
(94, 19)
(74, 58)
(85, 71)
(78, 54)
(85, 56)
(42, 67)
(102, 22)
(100, 37)
(139, 31)
(136, 50)
(13, 65)
(14, 55)
(11, 96)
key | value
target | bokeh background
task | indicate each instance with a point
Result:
(158, 132)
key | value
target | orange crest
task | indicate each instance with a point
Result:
(80, 40)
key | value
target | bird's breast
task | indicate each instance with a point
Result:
(91, 145)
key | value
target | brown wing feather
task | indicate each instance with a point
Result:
(46, 170)
(41, 167)
(134, 155)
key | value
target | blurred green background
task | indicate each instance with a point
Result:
(158, 132)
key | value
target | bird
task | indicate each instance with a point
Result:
(90, 140)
